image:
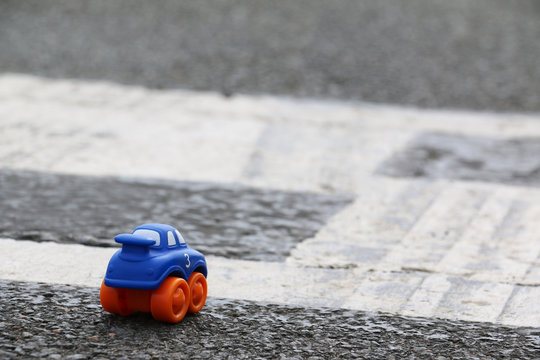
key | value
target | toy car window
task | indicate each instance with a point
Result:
(180, 237)
(148, 234)
(170, 239)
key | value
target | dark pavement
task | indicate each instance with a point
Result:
(456, 157)
(225, 220)
(481, 54)
(57, 321)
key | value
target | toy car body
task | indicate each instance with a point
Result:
(157, 272)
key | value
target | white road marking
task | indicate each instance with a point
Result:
(382, 291)
(450, 249)
(469, 252)
(394, 292)
(460, 253)
(437, 230)
(427, 297)
(99, 128)
(475, 301)
(365, 231)
(51, 262)
(523, 307)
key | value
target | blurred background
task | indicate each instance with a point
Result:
(363, 176)
(479, 54)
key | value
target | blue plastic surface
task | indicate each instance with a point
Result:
(142, 263)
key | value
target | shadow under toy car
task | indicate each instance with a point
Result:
(157, 272)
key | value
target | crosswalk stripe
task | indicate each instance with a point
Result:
(82, 128)
(455, 249)
(378, 290)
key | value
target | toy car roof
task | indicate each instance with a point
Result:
(161, 228)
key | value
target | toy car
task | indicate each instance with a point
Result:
(157, 272)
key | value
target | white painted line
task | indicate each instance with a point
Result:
(475, 301)
(426, 299)
(362, 233)
(532, 277)
(99, 128)
(383, 291)
(451, 249)
(393, 292)
(522, 307)
(460, 255)
(520, 252)
(74, 264)
(53, 263)
(437, 230)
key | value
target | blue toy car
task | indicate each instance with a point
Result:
(157, 272)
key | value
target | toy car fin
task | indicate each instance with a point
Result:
(130, 239)
(134, 247)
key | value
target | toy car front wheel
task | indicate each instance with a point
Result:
(114, 300)
(171, 300)
(198, 287)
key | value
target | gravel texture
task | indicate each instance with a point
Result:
(56, 321)
(480, 54)
(230, 221)
(458, 157)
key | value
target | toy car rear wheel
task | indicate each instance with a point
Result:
(170, 301)
(199, 288)
(114, 300)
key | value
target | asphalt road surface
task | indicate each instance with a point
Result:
(479, 54)
(332, 229)
(90, 210)
(57, 322)
(509, 161)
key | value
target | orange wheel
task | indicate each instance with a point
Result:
(114, 300)
(170, 301)
(198, 287)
